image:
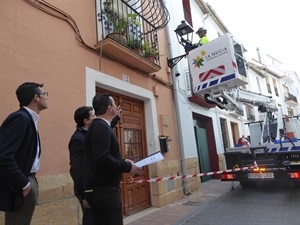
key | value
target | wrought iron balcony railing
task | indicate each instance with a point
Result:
(123, 23)
(289, 96)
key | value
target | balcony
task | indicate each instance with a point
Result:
(291, 99)
(128, 34)
(131, 58)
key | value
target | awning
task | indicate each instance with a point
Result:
(154, 12)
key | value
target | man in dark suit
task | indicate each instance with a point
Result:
(83, 117)
(103, 165)
(20, 151)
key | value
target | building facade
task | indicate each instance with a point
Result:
(80, 49)
(93, 46)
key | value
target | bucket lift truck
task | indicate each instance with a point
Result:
(218, 71)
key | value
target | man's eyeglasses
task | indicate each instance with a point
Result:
(43, 93)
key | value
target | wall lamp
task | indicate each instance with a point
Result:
(184, 34)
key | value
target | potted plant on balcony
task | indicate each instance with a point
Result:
(116, 24)
(119, 30)
(133, 18)
(149, 52)
(134, 33)
(120, 26)
(135, 45)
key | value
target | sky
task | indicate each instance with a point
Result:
(271, 25)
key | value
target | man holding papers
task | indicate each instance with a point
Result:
(103, 166)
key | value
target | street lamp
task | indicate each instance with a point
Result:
(184, 35)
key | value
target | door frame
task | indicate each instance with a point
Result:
(98, 79)
(207, 124)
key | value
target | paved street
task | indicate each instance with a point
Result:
(271, 203)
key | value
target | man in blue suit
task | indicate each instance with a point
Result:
(20, 151)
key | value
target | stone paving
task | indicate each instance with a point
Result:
(182, 209)
(216, 203)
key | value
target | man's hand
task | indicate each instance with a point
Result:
(85, 204)
(134, 168)
(26, 190)
(120, 112)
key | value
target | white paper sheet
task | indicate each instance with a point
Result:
(156, 157)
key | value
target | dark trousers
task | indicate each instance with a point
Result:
(88, 217)
(107, 204)
(23, 214)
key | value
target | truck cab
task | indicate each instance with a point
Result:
(273, 154)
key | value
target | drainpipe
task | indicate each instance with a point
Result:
(178, 116)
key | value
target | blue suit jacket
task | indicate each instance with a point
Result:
(18, 148)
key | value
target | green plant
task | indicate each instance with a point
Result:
(132, 17)
(119, 23)
(149, 51)
(134, 43)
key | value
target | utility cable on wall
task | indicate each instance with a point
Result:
(54, 11)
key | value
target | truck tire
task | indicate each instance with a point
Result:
(248, 184)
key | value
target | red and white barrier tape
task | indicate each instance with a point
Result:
(193, 175)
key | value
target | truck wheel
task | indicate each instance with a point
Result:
(297, 184)
(248, 184)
